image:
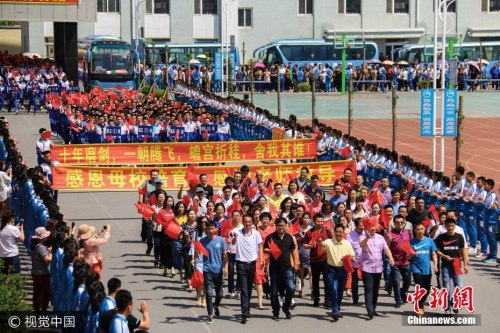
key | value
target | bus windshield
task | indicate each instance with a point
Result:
(111, 59)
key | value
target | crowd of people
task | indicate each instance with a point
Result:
(391, 218)
(374, 76)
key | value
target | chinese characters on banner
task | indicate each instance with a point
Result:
(183, 152)
(129, 179)
(450, 112)
(427, 112)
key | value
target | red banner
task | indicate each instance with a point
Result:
(42, 2)
(129, 179)
(183, 152)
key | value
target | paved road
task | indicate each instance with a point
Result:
(172, 308)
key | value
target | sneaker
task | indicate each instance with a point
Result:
(481, 255)
(293, 304)
(210, 320)
(281, 300)
(490, 261)
(216, 311)
(231, 295)
(448, 312)
(299, 285)
(472, 251)
(237, 295)
(421, 312)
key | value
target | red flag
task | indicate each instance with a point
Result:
(236, 205)
(457, 266)
(434, 212)
(269, 188)
(407, 247)
(328, 224)
(109, 138)
(177, 135)
(360, 272)
(347, 263)
(409, 187)
(205, 135)
(73, 127)
(198, 247)
(376, 185)
(215, 198)
(197, 279)
(287, 178)
(186, 200)
(376, 196)
(275, 250)
(273, 211)
(190, 177)
(152, 199)
(384, 218)
(46, 134)
(196, 206)
(315, 235)
(426, 222)
(294, 228)
(226, 227)
(173, 230)
(145, 138)
(144, 190)
(252, 191)
(345, 152)
(230, 172)
(145, 210)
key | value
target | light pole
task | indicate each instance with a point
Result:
(225, 54)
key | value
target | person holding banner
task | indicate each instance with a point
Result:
(281, 247)
(338, 250)
(451, 249)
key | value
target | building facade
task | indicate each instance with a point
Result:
(253, 23)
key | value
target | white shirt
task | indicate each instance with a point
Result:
(8, 241)
(232, 248)
(247, 245)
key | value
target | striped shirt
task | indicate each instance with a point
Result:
(372, 253)
(335, 251)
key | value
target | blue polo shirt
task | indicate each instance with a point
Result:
(215, 247)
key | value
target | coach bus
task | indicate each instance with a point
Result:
(106, 62)
(182, 54)
(468, 51)
(308, 51)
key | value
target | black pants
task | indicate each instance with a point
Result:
(157, 239)
(188, 267)
(371, 282)
(246, 273)
(425, 282)
(318, 269)
(148, 233)
(354, 286)
(143, 230)
(166, 255)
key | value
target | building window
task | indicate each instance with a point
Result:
(492, 6)
(349, 6)
(397, 6)
(149, 6)
(305, 7)
(208, 7)
(245, 17)
(451, 6)
(162, 6)
(108, 6)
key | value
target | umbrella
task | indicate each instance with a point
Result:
(375, 61)
(194, 62)
(473, 64)
(388, 62)
(259, 65)
(402, 62)
(483, 62)
(201, 56)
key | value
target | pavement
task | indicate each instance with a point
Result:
(173, 308)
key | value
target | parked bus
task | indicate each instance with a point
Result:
(468, 51)
(182, 54)
(308, 51)
(106, 62)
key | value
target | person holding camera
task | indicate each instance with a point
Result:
(9, 236)
(90, 242)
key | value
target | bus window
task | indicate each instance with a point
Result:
(273, 57)
(292, 52)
